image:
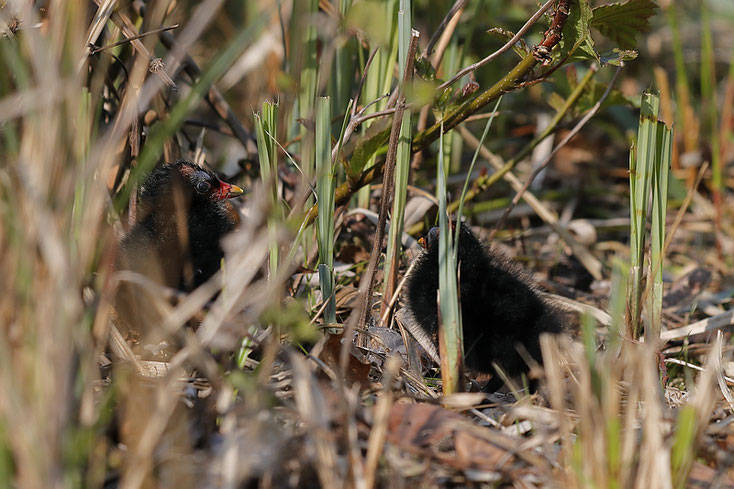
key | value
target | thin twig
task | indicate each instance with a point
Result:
(133, 38)
(398, 289)
(367, 65)
(449, 24)
(374, 115)
(352, 125)
(590, 262)
(479, 117)
(422, 139)
(684, 207)
(458, 5)
(508, 45)
(387, 190)
(213, 96)
(555, 151)
(129, 29)
(694, 367)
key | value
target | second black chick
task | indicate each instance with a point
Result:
(183, 214)
(500, 310)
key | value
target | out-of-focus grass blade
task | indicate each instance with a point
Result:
(402, 162)
(325, 195)
(309, 81)
(377, 83)
(682, 453)
(460, 211)
(708, 95)
(343, 79)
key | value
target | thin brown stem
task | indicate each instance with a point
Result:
(507, 46)
(457, 7)
(213, 96)
(388, 186)
(444, 36)
(133, 38)
(421, 140)
(555, 151)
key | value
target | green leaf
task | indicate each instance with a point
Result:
(618, 56)
(377, 136)
(576, 40)
(621, 22)
(556, 101)
(424, 68)
(520, 47)
(594, 92)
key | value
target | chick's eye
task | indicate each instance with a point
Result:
(203, 187)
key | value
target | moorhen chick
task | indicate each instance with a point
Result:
(500, 309)
(183, 213)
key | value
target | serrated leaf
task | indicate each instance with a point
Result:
(618, 56)
(594, 92)
(585, 50)
(576, 42)
(424, 68)
(520, 47)
(621, 22)
(377, 135)
(564, 85)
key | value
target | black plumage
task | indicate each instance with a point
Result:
(501, 311)
(183, 213)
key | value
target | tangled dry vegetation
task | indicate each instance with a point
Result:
(261, 388)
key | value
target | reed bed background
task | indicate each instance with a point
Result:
(355, 128)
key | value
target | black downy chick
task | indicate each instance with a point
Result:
(501, 311)
(183, 213)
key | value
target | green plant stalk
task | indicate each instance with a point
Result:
(485, 181)
(450, 338)
(708, 94)
(342, 81)
(464, 190)
(370, 92)
(421, 140)
(266, 132)
(426, 137)
(377, 83)
(451, 63)
(681, 77)
(307, 95)
(460, 113)
(641, 166)
(620, 277)
(402, 162)
(657, 241)
(326, 180)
